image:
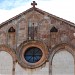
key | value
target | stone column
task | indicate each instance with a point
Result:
(50, 67)
(13, 70)
(74, 65)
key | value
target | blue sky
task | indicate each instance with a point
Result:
(11, 4)
(62, 8)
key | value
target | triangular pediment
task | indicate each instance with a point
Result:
(39, 11)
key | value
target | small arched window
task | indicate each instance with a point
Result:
(11, 29)
(54, 29)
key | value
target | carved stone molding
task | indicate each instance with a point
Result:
(24, 46)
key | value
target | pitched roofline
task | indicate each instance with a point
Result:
(15, 17)
(38, 10)
(64, 20)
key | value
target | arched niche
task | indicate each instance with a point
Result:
(11, 37)
(32, 29)
(63, 63)
(6, 63)
(33, 20)
(54, 36)
(8, 50)
(57, 52)
(10, 57)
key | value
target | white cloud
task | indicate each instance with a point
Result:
(3, 15)
(7, 14)
(61, 8)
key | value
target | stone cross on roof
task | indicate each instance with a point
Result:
(33, 4)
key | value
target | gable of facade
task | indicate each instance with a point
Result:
(32, 38)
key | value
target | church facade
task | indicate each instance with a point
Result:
(37, 43)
